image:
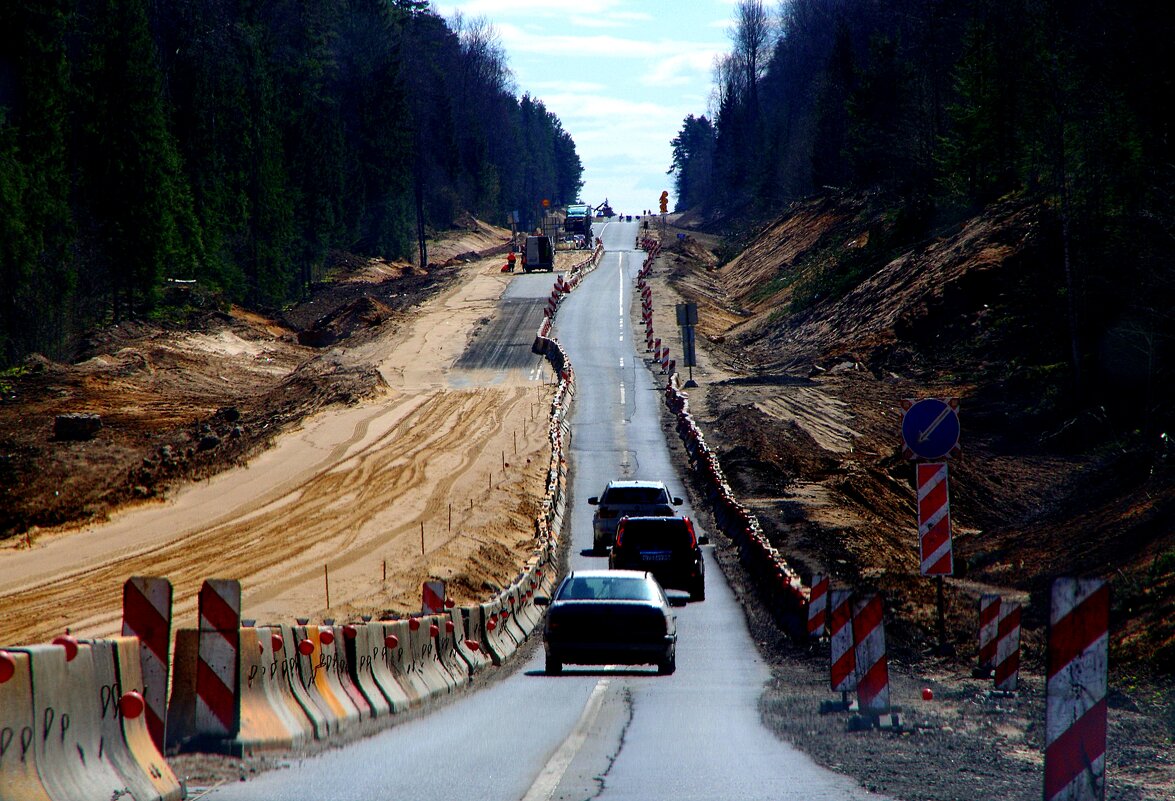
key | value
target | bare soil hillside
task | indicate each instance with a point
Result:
(801, 375)
(213, 460)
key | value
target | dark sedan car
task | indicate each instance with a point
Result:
(665, 546)
(605, 617)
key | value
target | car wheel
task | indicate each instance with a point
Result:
(554, 667)
(667, 665)
(698, 593)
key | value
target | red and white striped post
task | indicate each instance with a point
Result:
(934, 520)
(1007, 649)
(146, 614)
(1078, 668)
(872, 662)
(217, 704)
(843, 656)
(432, 597)
(818, 607)
(989, 615)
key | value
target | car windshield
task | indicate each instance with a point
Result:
(615, 588)
(635, 495)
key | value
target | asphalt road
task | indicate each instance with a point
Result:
(608, 733)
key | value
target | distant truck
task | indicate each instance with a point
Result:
(539, 254)
(579, 221)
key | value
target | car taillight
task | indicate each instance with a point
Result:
(689, 526)
(619, 532)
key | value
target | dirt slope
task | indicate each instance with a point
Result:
(285, 493)
(800, 387)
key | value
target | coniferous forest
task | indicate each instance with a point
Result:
(944, 107)
(237, 143)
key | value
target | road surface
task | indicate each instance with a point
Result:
(610, 733)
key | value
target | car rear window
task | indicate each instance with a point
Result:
(656, 535)
(615, 588)
(635, 495)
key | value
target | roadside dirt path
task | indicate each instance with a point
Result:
(348, 493)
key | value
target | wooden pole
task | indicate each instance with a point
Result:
(326, 579)
(450, 516)
(385, 571)
(422, 538)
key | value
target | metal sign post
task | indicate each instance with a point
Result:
(687, 318)
(930, 432)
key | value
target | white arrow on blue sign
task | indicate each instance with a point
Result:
(930, 428)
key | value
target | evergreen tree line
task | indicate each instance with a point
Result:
(949, 105)
(237, 142)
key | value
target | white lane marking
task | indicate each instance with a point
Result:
(621, 310)
(552, 773)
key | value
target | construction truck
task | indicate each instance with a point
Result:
(539, 254)
(579, 221)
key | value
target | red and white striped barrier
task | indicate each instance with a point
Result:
(1075, 727)
(216, 666)
(432, 601)
(146, 614)
(818, 607)
(843, 656)
(1007, 650)
(872, 663)
(989, 615)
(934, 520)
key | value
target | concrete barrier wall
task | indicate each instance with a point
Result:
(135, 731)
(398, 660)
(474, 657)
(262, 726)
(361, 669)
(278, 690)
(19, 777)
(449, 639)
(388, 682)
(321, 684)
(281, 697)
(424, 658)
(288, 680)
(69, 762)
(334, 659)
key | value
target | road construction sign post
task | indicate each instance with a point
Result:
(687, 318)
(930, 434)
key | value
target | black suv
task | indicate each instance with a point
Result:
(666, 547)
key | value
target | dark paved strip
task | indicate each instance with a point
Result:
(505, 342)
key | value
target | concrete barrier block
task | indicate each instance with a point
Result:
(334, 657)
(262, 726)
(398, 660)
(136, 734)
(288, 680)
(19, 779)
(69, 760)
(361, 663)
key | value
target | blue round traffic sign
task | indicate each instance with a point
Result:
(930, 428)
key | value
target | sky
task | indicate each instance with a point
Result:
(621, 75)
